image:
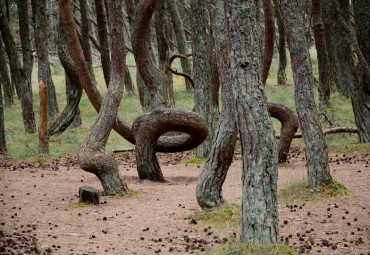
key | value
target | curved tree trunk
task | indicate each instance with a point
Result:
(206, 81)
(92, 156)
(269, 39)
(2, 125)
(4, 77)
(103, 39)
(19, 77)
(315, 145)
(42, 44)
(322, 56)
(281, 75)
(180, 39)
(70, 113)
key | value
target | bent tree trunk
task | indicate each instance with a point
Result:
(150, 126)
(259, 169)
(19, 77)
(315, 145)
(2, 125)
(92, 157)
(206, 81)
(71, 113)
(42, 45)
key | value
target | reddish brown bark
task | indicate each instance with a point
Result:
(43, 119)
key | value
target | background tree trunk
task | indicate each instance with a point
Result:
(4, 77)
(43, 120)
(322, 56)
(180, 39)
(2, 125)
(281, 75)
(362, 18)
(18, 75)
(42, 43)
(85, 31)
(315, 145)
(269, 39)
(206, 82)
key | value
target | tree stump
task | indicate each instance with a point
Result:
(88, 195)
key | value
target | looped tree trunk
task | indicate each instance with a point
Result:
(289, 125)
(149, 127)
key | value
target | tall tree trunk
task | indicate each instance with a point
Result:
(206, 82)
(281, 75)
(355, 68)
(42, 44)
(19, 77)
(103, 39)
(92, 157)
(24, 32)
(4, 77)
(243, 78)
(269, 39)
(180, 39)
(322, 56)
(333, 47)
(2, 125)
(156, 80)
(316, 149)
(129, 85)
(362, 18)
(43, 119)
(71, 113)
(85, 31)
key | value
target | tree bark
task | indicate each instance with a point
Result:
(281, 75)
(269, 39)
(322, 56)
(3, 147)
(85, 32)
(206, 81)
(233, 43)
(129, 85)
(362, 18)
(43, 120)
(92, 156)
(4, 77)
(316, 149)
(71, 113)
(18, 75)
(103, 39)
(42, 44)
(180, 39)
(355, 69)
(150, 126)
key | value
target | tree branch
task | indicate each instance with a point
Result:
(171, 59)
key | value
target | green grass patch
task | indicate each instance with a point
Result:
(129, 193)
(225, 216)
(299, 191)
(195, 160)
(78, 205)
(236, 248)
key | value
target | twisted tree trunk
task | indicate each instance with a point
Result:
(316, 149)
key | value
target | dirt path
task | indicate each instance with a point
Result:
(36, 204)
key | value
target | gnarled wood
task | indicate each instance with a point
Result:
(150, 126)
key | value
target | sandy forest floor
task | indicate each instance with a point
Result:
(37, 216)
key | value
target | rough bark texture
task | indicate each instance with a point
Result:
(239, 63)
(206, 81)
(103, 39)
(42, 44)
(71, 113)
(150, 126)
(362, 18)
(2, 125)
(322, 56)
(4, 77)
(43, 119)
(129, 85)
(85, 32)
(180, 39)
(355, 69)
(315, 145)
(269, 39)
(24, 33)
(88, 195)
(281, 75)
(165, 143)
(289, 125)
(18, 75)
(92, 156)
